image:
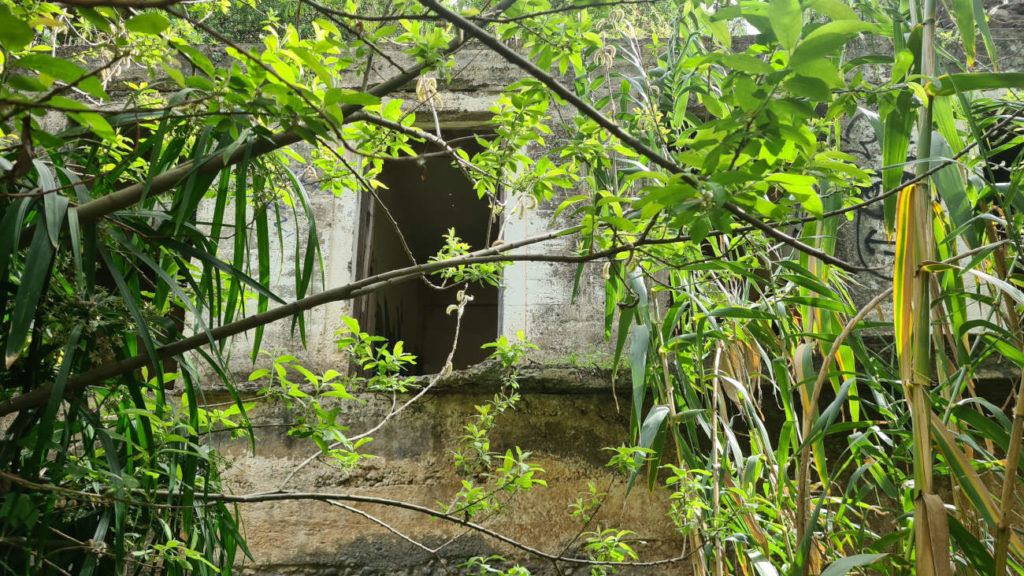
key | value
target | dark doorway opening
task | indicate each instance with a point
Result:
(426, 196)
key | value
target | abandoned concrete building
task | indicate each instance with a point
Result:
(568, 416)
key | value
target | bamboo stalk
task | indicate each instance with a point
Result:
(1008, 492)
(916, 235)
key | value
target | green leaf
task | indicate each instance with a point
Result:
(786, 19)
(951, 187)
(811, 88)
(638, 345)
(895, 144)
(343, 96)
(59, 68)
(977, 552)
(843, 566)
(149, 23)
(981, 19)
(953, 83)
(827, 39)
(625, 322)
(740, 313)
(15, 34)
(963, 13)
(32, 287)
(1007, 288)
(653, 426)
(746, 63)
(834, 9)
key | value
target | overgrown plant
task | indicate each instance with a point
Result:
(709, 176)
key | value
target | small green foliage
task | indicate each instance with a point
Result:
(587, 504)
(454, 247)
(487, 473)
(480, 566)
(313, 401)
(628, 459)
(372, 355)
(687, 504)
(609, 545)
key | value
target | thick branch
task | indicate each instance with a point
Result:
(78, 383)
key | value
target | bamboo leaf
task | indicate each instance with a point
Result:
(1004, 286)
(653, 426)
(842, 566)
(46, 422)
(625, 321)
(967, 82)
(638, 345)
(33, 285)
(970, 481)
(981, 19)
(963, 13)
(903, 277)
(897, 129)
(953, 190)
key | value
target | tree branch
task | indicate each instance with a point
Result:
(216, 161)
(221, 498)
(78, 383)
(633, 142)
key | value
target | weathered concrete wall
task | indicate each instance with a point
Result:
(566, 429)
(567, 417)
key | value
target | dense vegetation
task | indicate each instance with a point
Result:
(688, 161)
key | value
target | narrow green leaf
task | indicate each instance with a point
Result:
(951, 187)
(981, 19)
(263, 256)
(1007, 288)
(46, 421)
(966, 82)
(33, 286)
(638, 345)
(974, 550)
(652, 427)
(10, 231)
(963, 13)
(897, 129)
(129, 297)
(625, 321)
(842, 566)
(740, 313)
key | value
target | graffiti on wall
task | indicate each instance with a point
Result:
(872, 246)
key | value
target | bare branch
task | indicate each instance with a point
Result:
(632, 141)
(220, 498)
(216, 161)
